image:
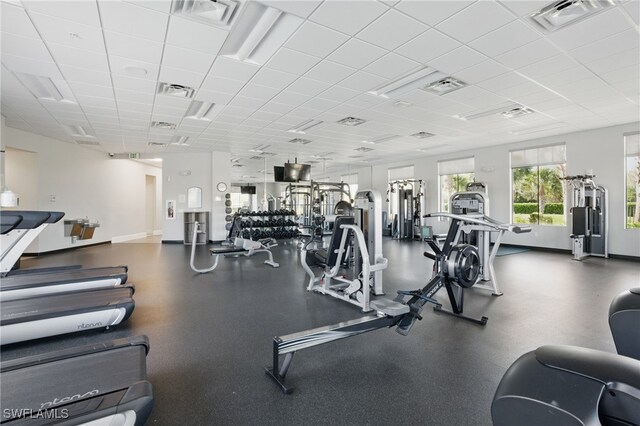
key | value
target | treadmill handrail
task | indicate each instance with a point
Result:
(31, 219)
(28, 361)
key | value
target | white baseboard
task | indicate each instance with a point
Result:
(123, 238)
(157, 232)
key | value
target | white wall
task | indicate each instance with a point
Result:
(21, 176)
(85, 183)
(599, 150)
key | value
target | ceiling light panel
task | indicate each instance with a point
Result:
(380, 139)
(303, 127)
(300, 141)
(560, 14)
(508, 111)
(78, 131)
(45, 88)
(408, 82)
(364, 149)
(204, 111)
(180, 140)
(258, 33)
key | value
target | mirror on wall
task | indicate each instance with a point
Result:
(194, 197)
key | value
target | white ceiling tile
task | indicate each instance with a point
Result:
(320, 104)
(347, 16)
(133, 96)
(431, 12)
(549, 66)
(180, 76)
(213, 97)
(255, 91)
(194, 35)
(272, 78)
(475, 21)
(289, 98)
(427, 46)
(315, 40)
(482, 71)
(132, 47)
(591, 29)
(298, 8)
(68, 33)
(124, 105)
(307, 86)
(619, 60)
(96, 101)
(134, 84)
(330, 72)
(119, 65)
(223, 85)
(24, 46)
(85, 12)
(391, 30)
(508, 37)
(528, 54)
(633, 9)
(30, 66)
(391, 65)
(244, 102)
(134, 20)
(524, 7)
(276, 108)
(291, 61)
(187, 59)
(163, 6)
(14, 20)
(356, 53)
(362, 81)
(232, 69)
(339, 94)
(457, 60)
(80, 58)
(617, 43)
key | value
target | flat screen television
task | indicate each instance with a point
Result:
(296, 172)
(248, 190)
(278, 174)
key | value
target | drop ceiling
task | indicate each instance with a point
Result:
(269, 81)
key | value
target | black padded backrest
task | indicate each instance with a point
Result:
(9, 222)
(336, 237)
(54, 217)
(30, 219)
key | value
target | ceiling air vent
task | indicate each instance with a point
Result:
(156, 144)
(422, 135)
(163, 125)
(364, 149)
(237, 165)
(517, 112)
(443, 86)
(180, 140)
(93, 143)
(300, 141)
(566, 12)
(176, 90)
(351, 121)
(216, 12)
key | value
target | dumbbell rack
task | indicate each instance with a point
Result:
(278, 225)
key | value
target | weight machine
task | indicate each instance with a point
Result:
(406, 223)
(589, 221)
(355, 249)
(456, 268)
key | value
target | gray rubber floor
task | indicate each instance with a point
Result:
(211, 335)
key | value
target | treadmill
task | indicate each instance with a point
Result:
(100, 384)
(19, 229)
(55, 314)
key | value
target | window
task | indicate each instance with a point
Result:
(398, 173)
(538, 192)
(632, 174)
(352, 180)
(453, 176)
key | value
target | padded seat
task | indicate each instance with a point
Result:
(329, 256)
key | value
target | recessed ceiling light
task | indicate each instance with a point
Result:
(402, 104)
(443, 86)
(559, 14)
(153, 143)
(205, 111)
(137, 71)
(93, 143)
(431, 148)
(46, 89)
(303, 127)
(179, 140)
(380, 139)
(422, 135)
(364, 149)
(176, 90)
(351, 121)
(408, 82)
(509, 110)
